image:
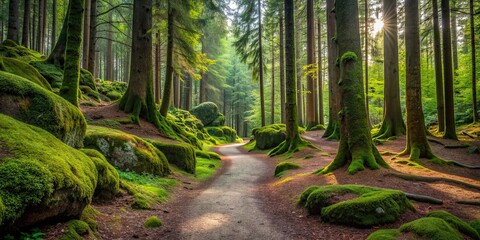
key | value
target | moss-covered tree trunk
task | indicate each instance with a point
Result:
(417, 145)
(356, 146)
(293, 137)
(57, 56)
(474, 64)
(139, 100)
(333, 129)
(392, 124)
(438, 68)
(319, 97)
(167, 89)
(260, 63)
(311, 106)
(92, 66)
(282, 68)
(71, 68)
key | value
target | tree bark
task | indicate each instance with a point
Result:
(40, 26)
(204, 81)
(13, 16)
(474, 65)
(448, 72)
(438, 68)
(454, 33)
(260, 64)
(57, 56)
(366, 63)
(311, 122)
(188, 92)
(272, 95)
(26, 23)
(71, 70)
(356, 147)
(93, 35)
(109, 56)
(54, 23)
(392, 124)
(169, 68)
(299, 78)
(86, 34)
(319, 98)
(417, 145)
(158, 69)
(282, 68)
(333, 129)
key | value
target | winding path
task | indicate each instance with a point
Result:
(229, 207)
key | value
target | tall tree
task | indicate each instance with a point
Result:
(272, 94)
(453, 11)
(474, 64)
(333, 128)
(26, 23)
(450, 132)
(158, 68)
(92, 42)
(41, 25)
(293, 140)
(417, 145)
(366, 61)
(438, 68)
(13, 16)
(282, 68)
(71, 70)
(86, 34)
(109, 55)
(392, 124)
(54, 24)
(319, 95)
(311, 106)
(356, 146)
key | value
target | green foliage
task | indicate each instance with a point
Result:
(127, 152)
(41, 171)
(182, 155)
(284, 166)
(24, 70)
(33, 104)
(153, 222)
(35, 234)
(373, 206)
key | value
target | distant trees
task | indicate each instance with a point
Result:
(13, 16)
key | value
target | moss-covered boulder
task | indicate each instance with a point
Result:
(355, 205)
(284, 166)
(269, 136)
(41, 178)
(12, 50)
(30, 103)
(108, 179)
(456, 223)
(127, 152)
(223, 134)
(112, 90)
(181, 155)
(24, 70)
(190, 123)
(208, 113)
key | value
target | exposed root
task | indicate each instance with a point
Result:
(332, 132)
(423, 198)
(290, 146)
(409, 177)
(474, 203)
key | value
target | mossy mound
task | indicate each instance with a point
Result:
(317, 127)
(76, 230)
(189, 123)
(30, 103)
(108, 180)
(223, 134)
(269, 136)
(284, 166)
(12, 50)
(41, 178)
(208, 113)
(364, 207)
(475, 224)
(153, 222)
(127, 152)
(181, 155)
(439, 225)
(24, 70)
(112, 90)
(208, 155)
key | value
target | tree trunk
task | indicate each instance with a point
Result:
(188, 92)
(158, 70)
(333, 129)
(13, 16)
(310, 61)
(448, 72)
(32, 25)
(356, 144)
(26, 23)
(71, 70)
(139, 100)
(299, 78)
(282, 68)
(169, 68)
(417, 145)
(438, 68)
(204, 81)
(474, 67)
(272, 95)
(319, 98)
(392, 124)
(260, 64)
(54, 24)
(109, 58)
(366, 63)
(93, 35)
(40, 26)
(57, 56)
(86, 33)
(454, 33)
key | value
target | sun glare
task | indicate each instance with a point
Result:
(378, 26)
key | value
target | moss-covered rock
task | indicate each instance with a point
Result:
(384, 234)
(111, 88)
(456, 223)
(208, 113)
(365, 207)
(284, 166)
(108, 179)
(127, 152)
(30, 103)
(41, 178)
(181, 155)
(12, 50)
(24, 70)
(76, 229)
(153, 222)
(269, 136)
(208, 155)
(223, 134)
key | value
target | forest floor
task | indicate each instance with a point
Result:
(245, 201)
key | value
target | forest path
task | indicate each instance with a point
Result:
(230, 207)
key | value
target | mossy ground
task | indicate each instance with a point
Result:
(284, 166)
(12, 50)
(24, 70)
(153, 222)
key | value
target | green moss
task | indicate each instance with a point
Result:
(88, 216)
(114, 95)
(33, 104)
(153, 222)
(305, 194)
(475, 224)
(219, 121)
(88, 104)
(373, 206)
(52, 73)
(284, 166)
(12, 50)
(349, 56)
(76, 229)
(182, 155)
(206, 167)
(223, 134)
(456, 223)
(207, 112)
(317, 127)
(127, 152)
(269, 136)
(24, 70)
(431, 228)
(140, 204)
(384, 234)
(41, 171)
(108, 178)
(105, 123)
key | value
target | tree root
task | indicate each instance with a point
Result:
(409, 177)
(474, 203)
(423, 198)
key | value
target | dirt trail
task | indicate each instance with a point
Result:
(229, 208)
